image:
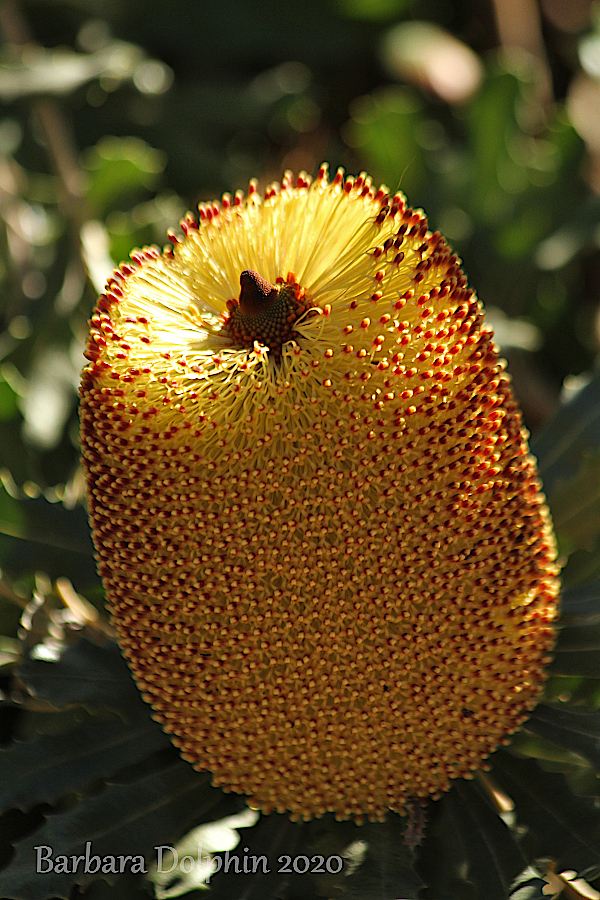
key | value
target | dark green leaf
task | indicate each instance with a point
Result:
(576, 662)
(585, 636)
(8, 400)
(573, 689)
(552, 756)
(48, 524)
(87, 675)
(494, 856)
(123, 820)
(387, 871)
(469, 852)
(566, 440)
(580, 606)
(44, 536)
(41, 771)
(577, 649)
(491, 117)
(562, 826)
(575, 730)
(575, 506)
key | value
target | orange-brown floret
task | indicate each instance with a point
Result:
(263, 313)
(321, 534)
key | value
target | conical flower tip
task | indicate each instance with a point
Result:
(255, 293)
(317, 521)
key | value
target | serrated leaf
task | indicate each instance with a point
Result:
(123, 820)
(43, 770)
(494, 855)
(299, 855)
(470, 845)
(88, 675)
(562, 826)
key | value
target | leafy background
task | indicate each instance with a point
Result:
(115, 119)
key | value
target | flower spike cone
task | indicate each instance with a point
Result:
(317, 521)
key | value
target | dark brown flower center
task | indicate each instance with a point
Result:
(264, 312)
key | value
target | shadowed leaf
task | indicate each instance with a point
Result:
(123, 820)
(576, 661)
(575, 730)
(43, 770)
(564, 443)
(470, 852)
(562, 826)
(387, 870)
(87, 675)
(580, 608)
(271, 838)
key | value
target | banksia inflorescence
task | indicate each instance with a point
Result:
(320, 531)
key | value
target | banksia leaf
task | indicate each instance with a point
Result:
(317, 521)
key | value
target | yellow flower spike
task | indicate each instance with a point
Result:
(318, 524)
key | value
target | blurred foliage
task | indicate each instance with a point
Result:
(117, 117)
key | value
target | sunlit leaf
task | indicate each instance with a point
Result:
(58, 71)
(530, 885)
(8, 400)
(119, 167)
(491, 116)
(576, 661)
(383, 127)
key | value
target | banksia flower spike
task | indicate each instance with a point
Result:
(318, 524)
